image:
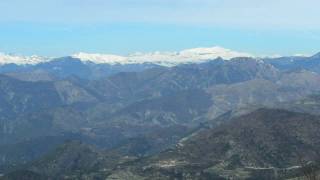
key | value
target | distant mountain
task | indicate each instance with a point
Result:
(260, 92)
(69, 66)
(316, 56)
(98, 66)
(169, 59)
(20, 97)
(164, 81)
(95, 66)
(297, 63)
(195, 55)
(141, 111)
(6, 59)
(32, 75)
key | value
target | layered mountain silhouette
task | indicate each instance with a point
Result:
(241, 118)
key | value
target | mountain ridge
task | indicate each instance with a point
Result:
(195, 55)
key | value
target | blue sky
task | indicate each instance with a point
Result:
(63, 27)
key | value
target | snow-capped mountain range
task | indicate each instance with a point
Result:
(196, 55)
(22, 60)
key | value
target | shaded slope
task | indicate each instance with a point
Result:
(253, 145)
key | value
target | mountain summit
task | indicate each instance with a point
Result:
(316, 55)
(196, 55)
(21, 60)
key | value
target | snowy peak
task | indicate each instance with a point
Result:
(100, 58)
(316, 55)
(196, 55)
(213, 53)
(21, 60)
